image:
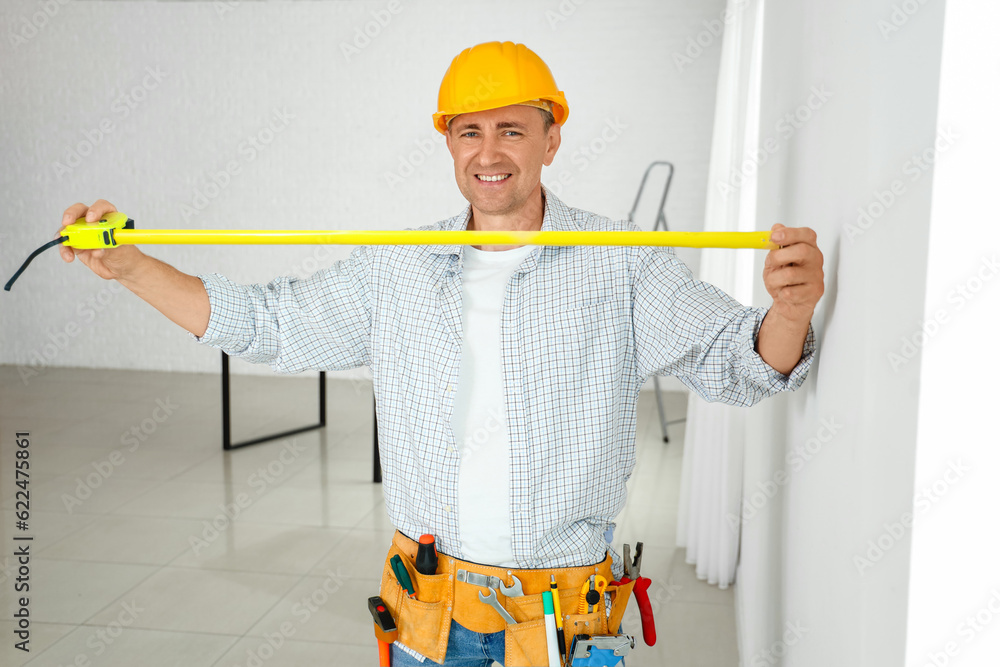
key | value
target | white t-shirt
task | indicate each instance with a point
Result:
(479, 418)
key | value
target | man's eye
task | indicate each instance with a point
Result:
(514, 133)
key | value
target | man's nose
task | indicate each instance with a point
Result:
(489, 151)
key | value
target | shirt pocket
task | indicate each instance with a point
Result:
(575, 364)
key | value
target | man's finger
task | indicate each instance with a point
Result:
(786, 236)
(800, 253)
(99, 209)
(73, 213)
(791, 275)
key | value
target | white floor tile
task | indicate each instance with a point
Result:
(336, 505)
(280, 651)
(89, 493)
(125, 539)
(195, 600)
(205, 500)
(361, 555)
(73, 591)
(252, 547)
(327, 608)
(116, 646)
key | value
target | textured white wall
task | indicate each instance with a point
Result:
(147, 103)
(829, 470)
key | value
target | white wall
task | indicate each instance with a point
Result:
(954, 588)
(226, 68)
(804, 596)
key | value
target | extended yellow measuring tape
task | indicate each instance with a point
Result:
(118, 229)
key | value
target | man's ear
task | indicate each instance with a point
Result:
(553, 139)
(447, 139)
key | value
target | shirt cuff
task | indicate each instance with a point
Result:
(230, 313)
(755, 366)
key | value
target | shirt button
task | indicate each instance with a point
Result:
(447, 508)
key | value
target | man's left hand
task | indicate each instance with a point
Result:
(793, 273)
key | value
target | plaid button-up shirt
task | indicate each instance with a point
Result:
(582, 328)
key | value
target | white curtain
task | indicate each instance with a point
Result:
(711, 480)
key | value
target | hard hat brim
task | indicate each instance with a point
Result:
(560, 109)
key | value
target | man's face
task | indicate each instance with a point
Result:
(499, 155)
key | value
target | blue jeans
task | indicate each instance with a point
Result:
(465, 649)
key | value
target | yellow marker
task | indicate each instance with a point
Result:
(112, 231)
(560, 637)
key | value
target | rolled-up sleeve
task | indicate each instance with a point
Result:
(693, 330)
(322, 322)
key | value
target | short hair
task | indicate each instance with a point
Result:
(547, 119)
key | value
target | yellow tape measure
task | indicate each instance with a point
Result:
(116, 229)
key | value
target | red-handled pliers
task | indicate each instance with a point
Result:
(641, 591)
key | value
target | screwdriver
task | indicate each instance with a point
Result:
(427, 558)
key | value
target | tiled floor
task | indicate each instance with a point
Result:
(152, 547)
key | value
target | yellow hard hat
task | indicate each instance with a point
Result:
(494, 75)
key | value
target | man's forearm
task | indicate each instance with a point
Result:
(179, 296)
(780, 341)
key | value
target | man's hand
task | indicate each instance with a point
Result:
(108, 263)
(180, 297)
(793, 276)
(793, 273)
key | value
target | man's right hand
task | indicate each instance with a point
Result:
(180, 297)
(108, 263)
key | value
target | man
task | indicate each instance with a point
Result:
(506, 378)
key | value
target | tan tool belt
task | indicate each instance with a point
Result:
(424, 622)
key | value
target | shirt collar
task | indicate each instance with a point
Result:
(557, 217)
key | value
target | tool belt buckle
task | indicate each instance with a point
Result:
(476, 579)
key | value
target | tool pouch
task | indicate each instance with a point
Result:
(424, 622)
(525, 642)
(620, 594)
